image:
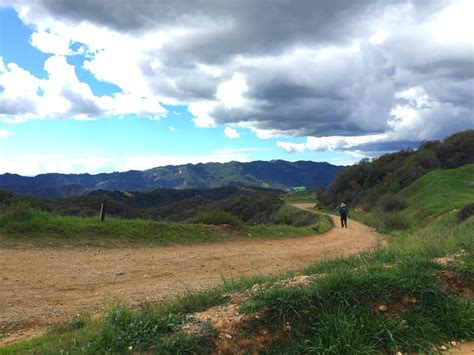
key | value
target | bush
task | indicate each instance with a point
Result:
(217, 218)
(394, 221)
(6, 197)
(21, 217)
(391, 203)
(254, 208)
(295, 217)
(21, 211)
(466, 212)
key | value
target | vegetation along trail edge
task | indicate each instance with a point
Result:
(40, 287)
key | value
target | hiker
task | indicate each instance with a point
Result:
(344, 212)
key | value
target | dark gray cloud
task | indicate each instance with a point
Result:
(378, 147)
(264, 19)
(81, 105)
(222, 29)
(18, 106)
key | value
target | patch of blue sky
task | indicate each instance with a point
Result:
(19, 50)
(126, 136)
(42, 144)
(98, 87)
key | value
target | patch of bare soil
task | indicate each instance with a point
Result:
(43, 287)
(455, 284)
(461, 348)
(239, 333)
(229, 324)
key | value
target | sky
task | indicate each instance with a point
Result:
(115, 85)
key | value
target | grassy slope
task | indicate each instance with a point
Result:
(338, 314)
(439, 191)
(433, 195)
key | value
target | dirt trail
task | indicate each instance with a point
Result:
(40, 287)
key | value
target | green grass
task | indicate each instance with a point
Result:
(338, 314)
(438, 192)
(121, 330)
(443, 235)
(39, 228)
(428, 198)
(293, 216)
(217, 218)
(23, 226)
(300, 197)
(322, 225)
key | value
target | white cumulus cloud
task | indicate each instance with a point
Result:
(291, 147)
(48, 42)
(231, 133)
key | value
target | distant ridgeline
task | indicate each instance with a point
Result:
(278, 174)
(365, 183)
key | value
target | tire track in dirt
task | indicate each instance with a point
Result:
(42, 287)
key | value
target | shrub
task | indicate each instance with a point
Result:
(6, 197)
(391, 203)
(295, 217)
(21, 211)
(217, 218)
(466, 212)
(254, 208)
(21, 217)
(394, 221)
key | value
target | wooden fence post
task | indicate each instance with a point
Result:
(103, 206)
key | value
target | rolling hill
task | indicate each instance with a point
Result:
(438, 192)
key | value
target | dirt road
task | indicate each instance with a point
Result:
(40, 287)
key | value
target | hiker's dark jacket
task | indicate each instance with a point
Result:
(343, 211)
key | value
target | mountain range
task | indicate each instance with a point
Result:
(278, 174)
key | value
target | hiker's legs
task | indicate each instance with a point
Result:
(344, 221)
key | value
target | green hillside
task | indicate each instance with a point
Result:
(365, 183)
(438, 192)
